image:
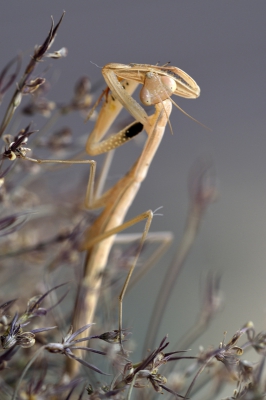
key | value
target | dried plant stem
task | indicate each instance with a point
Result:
(36, 355)
(197, 375)
(37, 57)
(191, 229)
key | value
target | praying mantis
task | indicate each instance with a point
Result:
(159, 83)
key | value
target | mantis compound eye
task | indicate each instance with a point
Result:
(156, 89)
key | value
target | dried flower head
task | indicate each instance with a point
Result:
(33, 85)
(113, 337)
(15, 336)
(16, 147)
(33, 306)
(146, 371)
(69, 343)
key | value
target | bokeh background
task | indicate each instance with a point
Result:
(222, 46)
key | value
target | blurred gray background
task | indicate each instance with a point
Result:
(222, 46)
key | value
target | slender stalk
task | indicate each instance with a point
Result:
(36, 355)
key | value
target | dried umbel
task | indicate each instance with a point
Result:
(15, 336)
(16, 144)
(14, 333)
(33, 306)
(143, 374)
(69, 343)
